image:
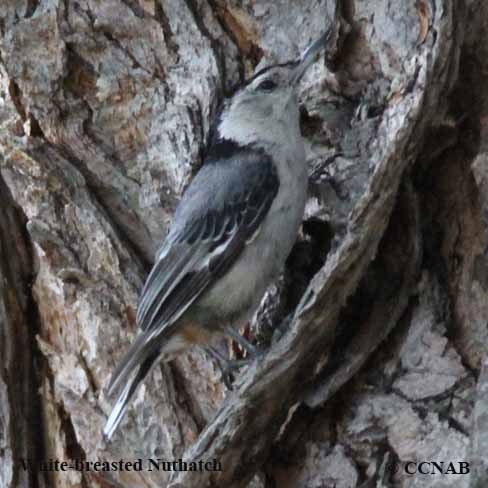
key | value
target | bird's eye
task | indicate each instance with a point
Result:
(267, 85)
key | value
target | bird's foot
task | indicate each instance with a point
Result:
(227, 366)
(253, 351)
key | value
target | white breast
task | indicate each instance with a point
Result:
(243, 287)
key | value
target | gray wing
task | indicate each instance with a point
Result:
(219, 213)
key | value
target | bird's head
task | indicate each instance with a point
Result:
(267, 102)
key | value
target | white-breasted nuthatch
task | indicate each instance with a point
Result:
(232, 230)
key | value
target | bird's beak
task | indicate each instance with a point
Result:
(308, 58)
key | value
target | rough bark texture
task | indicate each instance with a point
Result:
(377, 330)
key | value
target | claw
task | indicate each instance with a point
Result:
(252, 350)
(227, 366)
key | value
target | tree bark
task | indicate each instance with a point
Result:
(375, 333)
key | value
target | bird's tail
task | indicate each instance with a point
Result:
(134, 367)
(142, 348)
(127, 378)
(132, 383)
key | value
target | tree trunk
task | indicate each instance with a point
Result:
(376, 333)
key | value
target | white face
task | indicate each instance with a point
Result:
(268, 91)
(265, 108)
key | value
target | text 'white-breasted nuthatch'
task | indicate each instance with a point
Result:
(231, 232)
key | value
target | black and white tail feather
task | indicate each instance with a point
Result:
(204, 241)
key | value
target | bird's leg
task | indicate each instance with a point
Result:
(253, 351)
(226, 366)
(229, 366)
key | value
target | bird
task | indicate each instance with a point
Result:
(231, 232)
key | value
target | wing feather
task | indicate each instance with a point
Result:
(221, 210)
